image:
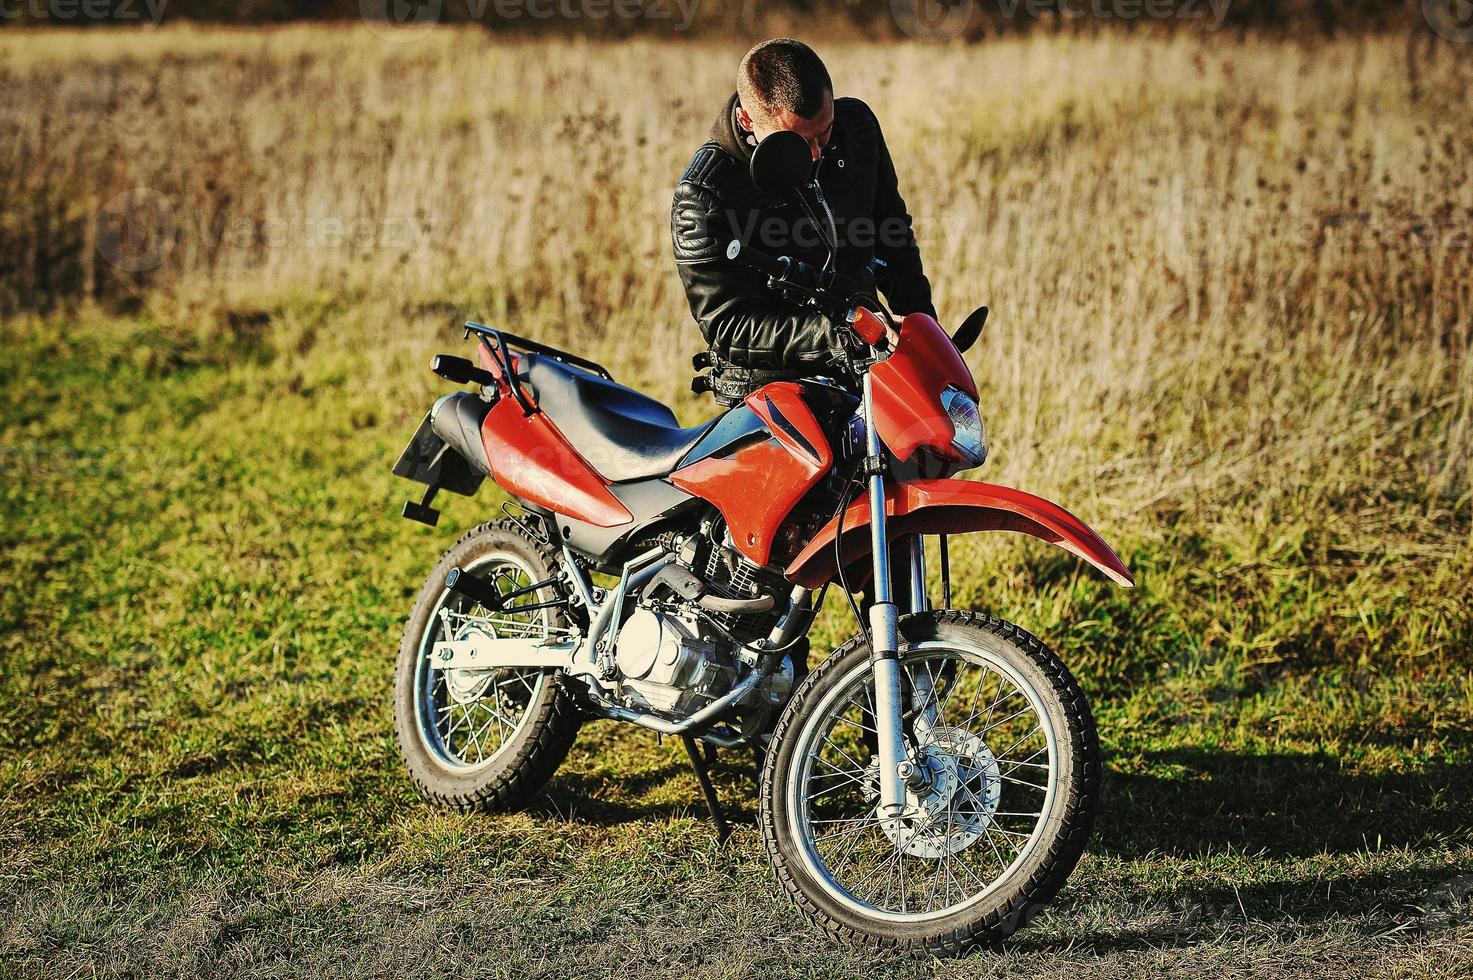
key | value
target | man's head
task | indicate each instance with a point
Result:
(782, 84)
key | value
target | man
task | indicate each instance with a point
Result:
(755, 335)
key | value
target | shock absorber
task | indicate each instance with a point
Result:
(884, 633)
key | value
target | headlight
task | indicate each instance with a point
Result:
(970, 439)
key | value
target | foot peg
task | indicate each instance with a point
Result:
(422, 511)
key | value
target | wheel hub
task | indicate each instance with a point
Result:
(957, 797)
(465, 686)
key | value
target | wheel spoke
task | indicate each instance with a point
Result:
(475, 739)
(851, 775)
(471, 730)
(935, 697)
(1009, 833)
(1015, 763)
(1003, 721)
(987, 722)
(485, 729)
(941, 864)
(1031, 732)
(948, 850)
(981, 685)
(861, 727)
(887, 867)
(1023, 782)
(829, 742)
(840, 834)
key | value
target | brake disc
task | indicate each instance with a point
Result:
(964, 788)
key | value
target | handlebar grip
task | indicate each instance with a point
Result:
(761, 261)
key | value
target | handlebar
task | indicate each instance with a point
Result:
(772, 265)
(824, 290)
(835, 296)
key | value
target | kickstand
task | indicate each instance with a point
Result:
(698, 763)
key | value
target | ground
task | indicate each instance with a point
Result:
(203, 574)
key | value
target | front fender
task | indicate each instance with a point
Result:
(953, 507)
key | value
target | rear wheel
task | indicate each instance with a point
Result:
(1009, 775)
(486, 739)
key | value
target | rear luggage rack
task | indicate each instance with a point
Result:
(499, 343)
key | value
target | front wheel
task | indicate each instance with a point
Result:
(1007, 777)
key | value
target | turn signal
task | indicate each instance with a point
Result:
(871, 328)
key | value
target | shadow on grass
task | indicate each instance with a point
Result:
(586, 797)
(1201, 802)
(1364, 909)
(1193, 803)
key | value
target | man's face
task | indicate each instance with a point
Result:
(817, 131)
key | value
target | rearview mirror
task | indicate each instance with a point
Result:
(966, 335)
(781, 162)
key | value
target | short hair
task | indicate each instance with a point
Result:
(783, 74)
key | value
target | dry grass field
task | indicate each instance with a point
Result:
(1232, 293)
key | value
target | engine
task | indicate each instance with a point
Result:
(673, 657)
(731, 576)
(667, 666)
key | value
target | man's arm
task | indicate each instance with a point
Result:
(743, 321)
(903, 280)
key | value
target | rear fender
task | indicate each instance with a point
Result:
(953, 507)
(446, 450)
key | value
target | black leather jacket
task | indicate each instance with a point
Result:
(748, 326)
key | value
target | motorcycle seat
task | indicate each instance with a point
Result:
(623, 434)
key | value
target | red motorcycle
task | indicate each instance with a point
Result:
(930, 785)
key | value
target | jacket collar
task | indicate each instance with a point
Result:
(728, 134)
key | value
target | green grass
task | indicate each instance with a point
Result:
(203, 580)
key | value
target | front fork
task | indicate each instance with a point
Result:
(897, 768)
